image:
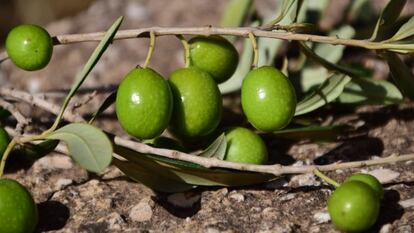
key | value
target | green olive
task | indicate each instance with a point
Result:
(30, 47)
(268, 99)
(353, 207)
(144, 103)
(370, 180)
(245, 146)
(214, 55)
(197, 103)
(18, 211)
(4, 141)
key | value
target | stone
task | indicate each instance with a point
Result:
(141, 212)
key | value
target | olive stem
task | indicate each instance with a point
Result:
(255, 50)
(6, 154)
(326, 178)
(150, 50)
(229, 31)
(274, 169)
(186, 46)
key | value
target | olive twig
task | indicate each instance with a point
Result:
(326, 178)
(275, 169)
(229, 31)
(186, 46)
(150, 49)
(6, 154)
(255, 50)
(22, 121)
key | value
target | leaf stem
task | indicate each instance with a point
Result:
(186, 46)
(255, 50)
(6, 154)
(150, 49)
(326, 178)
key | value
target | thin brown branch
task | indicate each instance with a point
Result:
(210, 30)
(39, 102)
(22, 121)
(206, 162)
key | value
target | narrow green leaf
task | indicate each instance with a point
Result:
(369, 91)
(387, 18)
(235, 13)
(333, 53)
(269, 47)
(88, 145)
(314, 133)
(327, 64)
(109, 100)
(235, 82)
(192, 174)
(326, 93)
(401, 74)
(405, 31)
(93, 59)
(284, 10)
(217, 149)
(33, 152)
(145, 174)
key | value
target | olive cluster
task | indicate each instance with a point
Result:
(190, 102)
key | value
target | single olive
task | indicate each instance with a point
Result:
(370, 180)
(18, 211)
(4, 141)
(268, 99)
(144, 103)
(245, 146)
(29, 46)
(214, 55)
(197, 103)
(353, 207)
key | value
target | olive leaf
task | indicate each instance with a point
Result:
(194, 175)
(33, 152)
(369, 91)
(109, 100)
(93, 59)
(314, 132)
(405, 31)
(235, 13)
(235, 82)
(387, 18)
(333, 53)
(326, 93)
(143, 172)
(401, 74)
(268, 47)
(88, 145)
(217, 149)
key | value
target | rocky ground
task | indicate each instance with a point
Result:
(73, 200)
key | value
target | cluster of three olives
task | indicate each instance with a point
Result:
(354, 206)
(190, 100)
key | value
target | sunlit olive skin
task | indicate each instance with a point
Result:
(214, 55)
(4, 141)
(18, 211)
(197, 103)
(370, 180)
(268, 99)
(245, 146)
(29, 47)
(353, 207)
(144, 103)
